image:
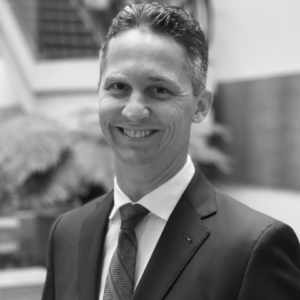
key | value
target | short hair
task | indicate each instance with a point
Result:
(170, 21)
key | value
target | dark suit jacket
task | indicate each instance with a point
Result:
(212, 248)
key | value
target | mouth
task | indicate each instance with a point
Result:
(136, 134)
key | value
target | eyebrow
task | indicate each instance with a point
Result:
(111, 77)
(156, 79)
(163, 79)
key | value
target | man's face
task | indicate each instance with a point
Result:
(146, 104)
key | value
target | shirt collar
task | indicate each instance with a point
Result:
(163, 199)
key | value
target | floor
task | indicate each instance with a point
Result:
(22, 284)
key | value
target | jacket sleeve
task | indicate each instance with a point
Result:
(49, 287)
(273, 270)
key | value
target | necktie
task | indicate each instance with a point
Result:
(120, 279)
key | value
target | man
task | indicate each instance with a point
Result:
(179, 237)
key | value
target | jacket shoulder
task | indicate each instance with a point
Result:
(69, 223)
(237, 226)
(232, 209)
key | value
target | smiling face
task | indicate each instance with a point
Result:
(146, 104)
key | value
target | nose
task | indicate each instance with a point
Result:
(135, 108)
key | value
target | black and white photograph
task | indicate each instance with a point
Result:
(149, 150)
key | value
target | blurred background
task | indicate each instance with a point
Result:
(53, 157)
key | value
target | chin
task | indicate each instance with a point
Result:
(136, 159)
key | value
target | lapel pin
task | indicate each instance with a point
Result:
(190, 241)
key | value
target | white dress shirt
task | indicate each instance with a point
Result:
(160, 202)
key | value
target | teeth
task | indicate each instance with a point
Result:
(137, 133)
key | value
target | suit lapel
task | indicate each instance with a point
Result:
(182, 237)
(91, 243)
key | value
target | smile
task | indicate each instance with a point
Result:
(136, 134)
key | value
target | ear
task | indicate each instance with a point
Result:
(202, 105)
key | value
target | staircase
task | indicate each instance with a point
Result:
(51, 52)
(57, 29)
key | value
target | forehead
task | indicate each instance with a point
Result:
(144, 46)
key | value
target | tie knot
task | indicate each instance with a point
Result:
(131, 215)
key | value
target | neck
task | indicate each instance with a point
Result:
(138, 181)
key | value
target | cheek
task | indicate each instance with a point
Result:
(107, 106)
(103, 111)
(103, 108)
(106, 115)
(177, 113)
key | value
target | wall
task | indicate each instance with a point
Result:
(255, 58)
(6, 98)
(255, 38)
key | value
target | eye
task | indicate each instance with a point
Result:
(161, 90)
(119, 86)
(118, 89)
